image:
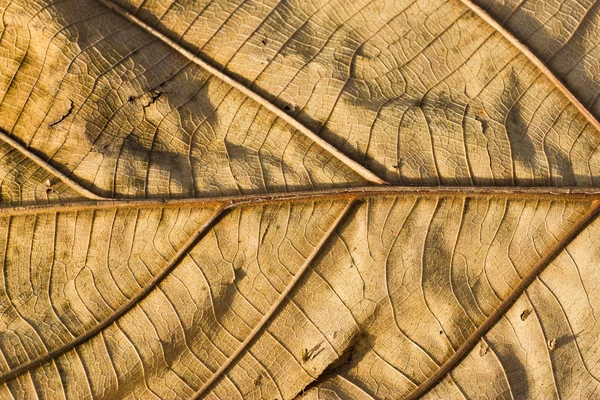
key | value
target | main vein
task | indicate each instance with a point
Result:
(546, 193)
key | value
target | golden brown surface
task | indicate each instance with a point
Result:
(322, 199)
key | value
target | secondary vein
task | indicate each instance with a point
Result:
(124, 309)
(45, 165)
(523, 48)
(501, 310)
(267, 318)
(334, 151)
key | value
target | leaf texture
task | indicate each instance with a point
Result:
(195, 202)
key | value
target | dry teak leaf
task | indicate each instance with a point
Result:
(329, 199)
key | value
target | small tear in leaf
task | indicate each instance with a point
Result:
(483, 349)
(552, 344)
(525, 314)
(48, 187)
(64, 116)
(154, 96)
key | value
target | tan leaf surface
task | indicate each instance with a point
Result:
(237, 199)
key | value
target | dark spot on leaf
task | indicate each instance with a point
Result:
(287, 107)
(483, 122)
(170, 348)
(258, 380)
(239, 274)
(525, 314)
(563, 340)
(264, 41)
(522, 146)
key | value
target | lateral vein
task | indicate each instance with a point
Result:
(523, 48)
(267, 318)
(501, 310)
(124, 309)
(45, 165)
(354, 165)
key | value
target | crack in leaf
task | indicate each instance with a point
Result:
(64, 116)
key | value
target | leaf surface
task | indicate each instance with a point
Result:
(328, 199)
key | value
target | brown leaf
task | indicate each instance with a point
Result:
(261, 199)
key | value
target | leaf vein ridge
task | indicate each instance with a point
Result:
(497, 192)
(525, 50)
(260, 327)
(5, 137)
(334, 151)
(125, 308)
(501, 310)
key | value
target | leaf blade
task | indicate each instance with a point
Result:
(425, 94)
